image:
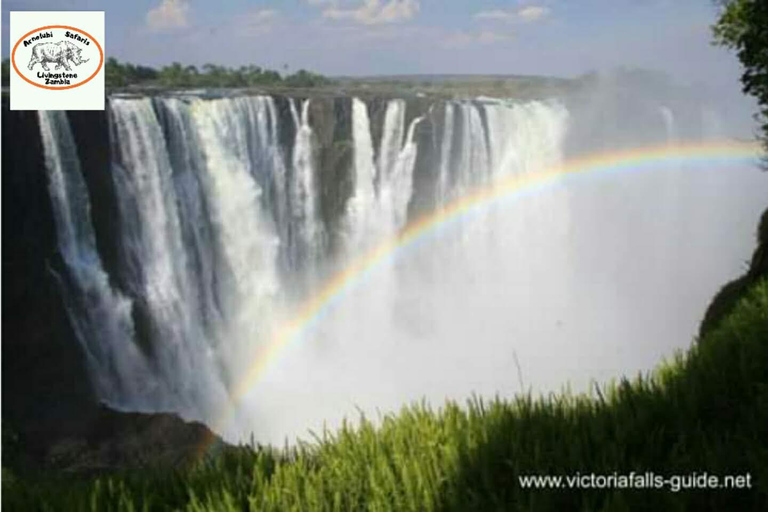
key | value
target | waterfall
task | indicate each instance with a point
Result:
(158, 271)
(198, 234)
(248, 269)
(383, 189)
(101, 316)
(392, 136)
(473, 163)
(207, 206)
(361, 221)
(446, 146)
(526, 137)
(228, 225)
(304, 192)
(670, 129)
(397, 183)
(278, 174)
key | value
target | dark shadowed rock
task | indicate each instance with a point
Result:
(725, 300)
(109, 440)
(45, 382)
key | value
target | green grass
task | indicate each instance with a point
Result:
(706, 410)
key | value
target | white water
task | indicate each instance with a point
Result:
(156, 265)
(278, 169)
(304, 192)
(247, 246)
(446, 146)
(392, 137)
(379, 202)
(362, 226)
(101, 317)
(592, 278)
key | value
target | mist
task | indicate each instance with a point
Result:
(594, 278)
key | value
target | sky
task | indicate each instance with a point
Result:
(384, 37)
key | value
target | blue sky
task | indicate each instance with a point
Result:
(365, 37)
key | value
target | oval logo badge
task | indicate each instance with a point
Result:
(57, 57)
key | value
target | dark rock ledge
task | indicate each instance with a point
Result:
(105, 440)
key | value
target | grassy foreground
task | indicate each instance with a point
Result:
(706, 411)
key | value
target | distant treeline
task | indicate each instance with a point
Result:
(124, 74)
(210, 75)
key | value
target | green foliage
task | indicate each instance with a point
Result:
(124, 74)
(118, 74)
(728, 296)
(742, 27)
(304, 78)
(703, 411)
(177, 75)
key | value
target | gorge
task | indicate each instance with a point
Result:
(167, 241)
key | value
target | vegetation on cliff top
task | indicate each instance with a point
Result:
(210, 75)
(124, 74)
(742, 27)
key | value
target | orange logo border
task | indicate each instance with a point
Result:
(101, 55)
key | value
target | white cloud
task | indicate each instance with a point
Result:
(534, 13)
(370, 12)
(527, 14)
(496, 14)
(170, 14)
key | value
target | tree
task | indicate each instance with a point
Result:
(304, 78)
(743, 27)
(175, 75)
(115, 74)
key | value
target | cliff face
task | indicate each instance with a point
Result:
(45, 384)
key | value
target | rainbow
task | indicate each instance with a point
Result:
(335, 288)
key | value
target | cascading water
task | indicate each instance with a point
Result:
(362, 225)
(446, 146)
(224, 233)
(473, 163)
(304, 198)
(379, 203)
(247, 246)
(157, 270)
(100, 316)
(391, 137)
(278, 172)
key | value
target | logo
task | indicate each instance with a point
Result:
(57, 60)
(67, 49)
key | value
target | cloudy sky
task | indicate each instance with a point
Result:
(366, 37)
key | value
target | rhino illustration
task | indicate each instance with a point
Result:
(58, 53)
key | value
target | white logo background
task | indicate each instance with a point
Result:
(88, 96)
